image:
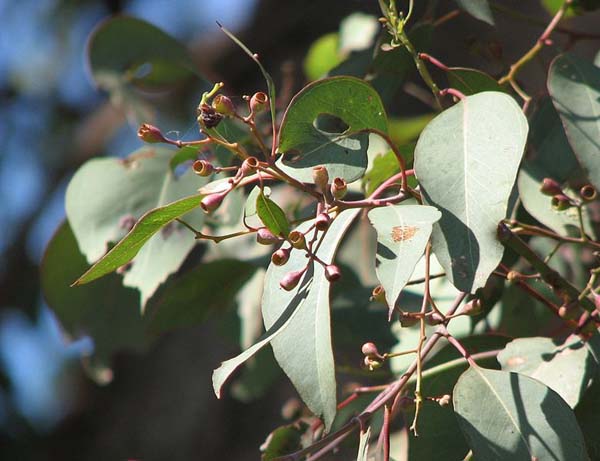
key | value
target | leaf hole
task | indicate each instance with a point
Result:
(328, 123)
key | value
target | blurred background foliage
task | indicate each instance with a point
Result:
(157, 402)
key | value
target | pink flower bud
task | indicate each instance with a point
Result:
(281, 256)
(211, 202)
(370, 350)
(561, 202)
(265, 237)
(259, 102)
(550, 187)
(322, 221)
(291, 279)
(332, 273)
(150, 134)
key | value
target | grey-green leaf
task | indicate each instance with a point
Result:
(574, 85)
(511, 416)
(566, 367)
(402, 234)
(326, 124)
(466, 161)
(471, 81)
(479, 9)
(107, 196)
(303, 349)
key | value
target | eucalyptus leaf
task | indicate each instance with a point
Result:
(402, 235)
(272, 215)
(479, 9)
(511, 416)
(327, 123)
(471, 81)
(107, 196)
(466, 161)
(303, 349)
(574, 86)
(363, 445)
(566, 367)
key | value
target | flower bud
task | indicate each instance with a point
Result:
(281, 256)
(265, 237)
(588, 193)
(322, 222)
(339, 188)
(370, 350)
(473, 307)
(212, 202)
(561, 202)
(209, 118)
(223, 105)
(203, 168)
(150, 134)
(332, 273)
(550, 187)
(291, 279)
(258, 102)
(435, 318)
(297, 239)
(320, 177)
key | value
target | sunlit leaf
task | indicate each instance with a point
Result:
(272, 215)
(466, 161)
(402, 234)
(326, 124)
(574, 85)
(566, 367)
(107, 196)
(511, 416)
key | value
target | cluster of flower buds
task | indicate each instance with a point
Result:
(373, 359)
(560, 201)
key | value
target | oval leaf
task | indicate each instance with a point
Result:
(466, 161)
(574, 85)
(402, 234)
(303, 348)
(567, 368)
(511, 416)
(471, 81)
(326, 124)
(272, 216)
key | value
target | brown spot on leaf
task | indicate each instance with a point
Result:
(401, 233)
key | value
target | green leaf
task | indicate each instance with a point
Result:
(106, 196)
(357, 32)
(303, 348)
(327, 123)
(322, 56)
(272, 215)
(511, 416)
(479, 9)
(574, 85)
(107, 311)
(406, 129)
(385, 166)
(283, 440)
(466, 161)
(566, 367)
(183, 155)
(588, 417)
(471, 81)
(152, 60)
(402, 235)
